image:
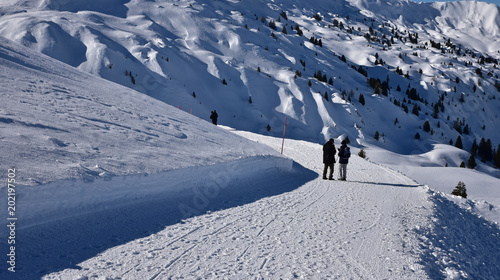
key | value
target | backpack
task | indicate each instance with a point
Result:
(347, 152)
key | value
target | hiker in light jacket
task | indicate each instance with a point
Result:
(344, 154)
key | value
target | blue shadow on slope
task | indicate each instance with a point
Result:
(388, 184)
(459, 244)
(63, 244)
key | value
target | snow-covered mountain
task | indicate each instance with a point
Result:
(115, 178)
(258, 62)
(74, 145)
(62, 123)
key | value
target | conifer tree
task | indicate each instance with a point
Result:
(415, 109)
(427, 126)
(489, 151)
(473, 150)
(471, 163)
(361, 99)
(458, 143)
(460, 190)
(497, 158)
(362, 153)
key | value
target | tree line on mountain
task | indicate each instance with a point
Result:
(386, 35)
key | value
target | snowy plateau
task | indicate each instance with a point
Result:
(111, 168)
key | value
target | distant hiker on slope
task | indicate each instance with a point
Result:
(329, 158)
(344, 154)
(214, 117)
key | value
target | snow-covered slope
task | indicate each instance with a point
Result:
(223, 54)
(103, 165)
(76, 146)
(61, 123)
(378, 225)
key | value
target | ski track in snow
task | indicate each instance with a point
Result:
(371, 227)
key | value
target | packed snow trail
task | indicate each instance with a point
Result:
(377, 225)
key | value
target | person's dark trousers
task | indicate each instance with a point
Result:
(325, 170)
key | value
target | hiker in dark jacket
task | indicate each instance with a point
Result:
(214, 117)
(344, 154)
(329, 158)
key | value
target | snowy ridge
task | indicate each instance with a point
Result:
(160, 48)
(40, 205)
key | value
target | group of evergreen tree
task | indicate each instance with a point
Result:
(316, 41)
(322, 77)
(484, 151)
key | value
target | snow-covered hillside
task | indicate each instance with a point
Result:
(379, 224)
(80, 146)
(257, 62)
(61, 123)
(119, 173)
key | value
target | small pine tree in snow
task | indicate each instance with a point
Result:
(458, 143)
(361, 99)
(460, 190)
(224, 82)
(417, 136)
(415, 109)
(471, 163)
(497, 158)
(427, 126)
(377, 135)
(272, 25)
(268, 128)
(362, 153)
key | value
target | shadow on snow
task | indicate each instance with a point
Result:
(459, 244)
(63, 244)
(387, 184)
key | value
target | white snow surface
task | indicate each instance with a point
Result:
(379, 224)
(114, 183)
(174, 48)
(61, 123)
